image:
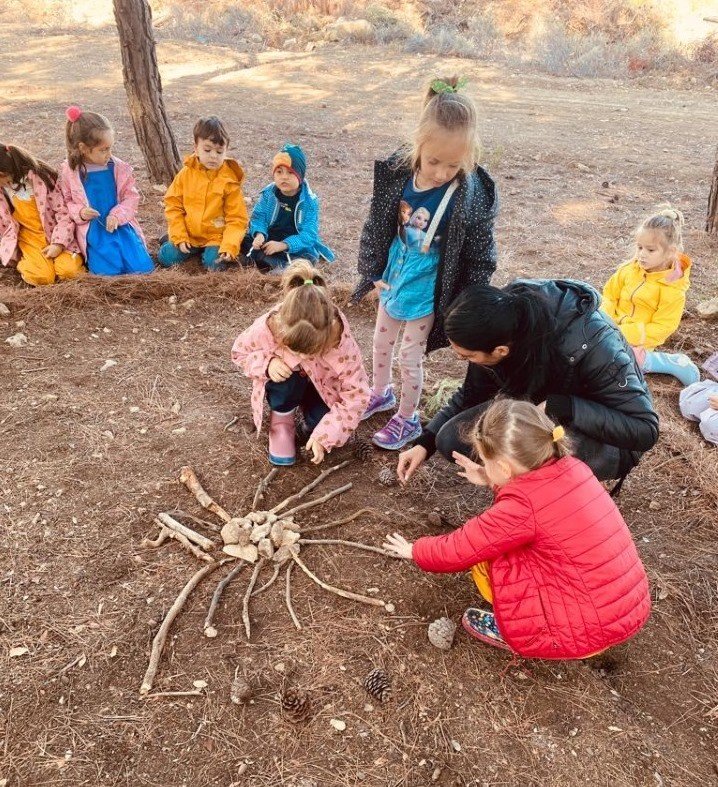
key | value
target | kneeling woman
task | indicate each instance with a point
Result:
(552, 554)
(545, 341)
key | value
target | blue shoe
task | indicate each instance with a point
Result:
(481, 625)
(398, 432)
(679, 365)
(379, 403)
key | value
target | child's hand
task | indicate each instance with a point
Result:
(258, 241)
(713, 401)
(185, 248)
(112, 223)
(53, 250)
(88, 214)
(278, 371)
(274, 247)
(409, 462)
(397, 546)
(473, 473)
(225, 257)
(317, 449)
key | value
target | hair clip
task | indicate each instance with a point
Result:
(558, 434)
(439, 86)
(73, 113)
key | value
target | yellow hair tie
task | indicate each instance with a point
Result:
(309, 281)
(558, 434)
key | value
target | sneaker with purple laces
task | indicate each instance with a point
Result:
(398, 432)
(378, 403)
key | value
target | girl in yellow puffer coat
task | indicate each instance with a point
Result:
(646, 295)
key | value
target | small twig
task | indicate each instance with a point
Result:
(374, 602)
(308, 488)
(339, 541)
(262, 487)
(318, 501)
(338, 522)
(190, 480)
(272, 580)
(158, 642)
(193, 693)
(231, 423)
(200, 554)
(164, 534)
(192, 535)
(247, 596)
(208, 629)
(211, 525)
(7, 730)
(288, 597)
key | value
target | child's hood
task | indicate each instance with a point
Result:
(678, 276)
(231, 169)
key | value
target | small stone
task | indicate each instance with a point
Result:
(654, 505)
(4, 311)
(108, 364)
(172, 300)
(16, 340)
(338, 724)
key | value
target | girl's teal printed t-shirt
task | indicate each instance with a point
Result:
(410, 271)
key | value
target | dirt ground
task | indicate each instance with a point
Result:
(89, 456)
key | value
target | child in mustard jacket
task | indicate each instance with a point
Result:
(646, 295)
(205, 208)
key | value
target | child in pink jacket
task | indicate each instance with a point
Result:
(302, 355)
(36, 231)
(102, 198)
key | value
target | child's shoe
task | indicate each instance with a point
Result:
(398, 432)
(282, 451)
(378, 403)
(679, 365)
(481, 624)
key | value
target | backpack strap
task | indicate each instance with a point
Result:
(434, 226)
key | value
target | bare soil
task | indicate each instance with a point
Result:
(89, 457)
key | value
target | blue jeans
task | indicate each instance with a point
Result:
(170, 255)
(297, 391)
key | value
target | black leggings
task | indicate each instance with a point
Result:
(606, 461)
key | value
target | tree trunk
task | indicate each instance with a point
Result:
(144, 89)
(712, 217)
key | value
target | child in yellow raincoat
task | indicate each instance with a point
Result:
(646, 295)
(205, 208)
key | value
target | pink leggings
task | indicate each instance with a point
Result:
(413, 345)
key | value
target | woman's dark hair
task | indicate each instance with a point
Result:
(17, 162)
(483, 318)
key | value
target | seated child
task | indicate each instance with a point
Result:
(699, 402)
(204, 205)
(552, 554)
(285, 219)
(102, 199)
(646, 295)
(302, 354)
(36, 231)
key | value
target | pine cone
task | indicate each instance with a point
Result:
(441, 633)
(296, 705)
(378, 684)
(363, 450)
(387, 477)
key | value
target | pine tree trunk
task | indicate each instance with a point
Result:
(144, 89)
(712, 217)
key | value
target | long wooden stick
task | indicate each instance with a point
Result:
(338, 522)
(164, 534)
(158, 642)
(208, 629)
(272, 580)
(319, 500)
(308, 488)
(197, 538)
(367, 547)
(375, 602)
(190, 480)
(288, 597)
(200, 554)
(247, 596)
(262, 487)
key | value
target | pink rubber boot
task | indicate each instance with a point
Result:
(281, 439)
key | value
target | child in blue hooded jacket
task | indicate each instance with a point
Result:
(285, 219)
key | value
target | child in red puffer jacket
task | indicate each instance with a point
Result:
(552, 554)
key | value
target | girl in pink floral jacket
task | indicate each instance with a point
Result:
(36, 231)
(102, 198)
(302, 355)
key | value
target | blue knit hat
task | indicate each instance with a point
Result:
(292, 157)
